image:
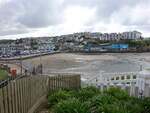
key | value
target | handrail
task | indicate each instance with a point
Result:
(10, 79)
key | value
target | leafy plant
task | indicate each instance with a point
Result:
(106, 103)
(146, 105)
(118, 93)
(58, 96)
(91, 100)
(87, 93)
(71, 106)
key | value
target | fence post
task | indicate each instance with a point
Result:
(146, 90)
(132, 89)
(136, 91)
(1, 101)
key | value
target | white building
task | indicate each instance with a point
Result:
(135, 35)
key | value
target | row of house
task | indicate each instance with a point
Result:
(134, 35)
(27, 44)
(78, 41)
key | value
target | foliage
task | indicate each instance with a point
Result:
(58, 96)
(138, 44)
(6, 41)
(71, 106)
(56, 48)
(3, 74)
(91, 100)
(145, 105)
(71, 41)
(117, 93)
(114, 101)
(87, 93)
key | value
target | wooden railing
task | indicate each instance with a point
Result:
(19, 96)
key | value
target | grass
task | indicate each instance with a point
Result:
(3, 74)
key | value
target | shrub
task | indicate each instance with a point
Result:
(58, 96)
(118, 93)
(71, 106)
(87, 93)
(73, 93)
(91, 100)
(106, 103)
(146, 105)
(101, 99)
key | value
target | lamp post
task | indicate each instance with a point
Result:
(40, 60)
(21, 60)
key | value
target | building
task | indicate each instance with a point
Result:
(6, 48)
(107, 47)
(135, 35)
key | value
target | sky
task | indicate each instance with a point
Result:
(33, 18)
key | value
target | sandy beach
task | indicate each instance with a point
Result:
(66, 60)
(89, 65)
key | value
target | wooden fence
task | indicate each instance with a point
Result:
(19, 96)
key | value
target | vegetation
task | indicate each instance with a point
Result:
(138, 44)
(71, 106)
(71, 41)
(56, 48)
(91, 100)
(58, 96)
(6, 41)
(3, 74)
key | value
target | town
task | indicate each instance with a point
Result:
(77, 42)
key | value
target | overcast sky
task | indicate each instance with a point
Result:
(24, 18)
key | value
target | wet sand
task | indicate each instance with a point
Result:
(65, 60)
(89, 65)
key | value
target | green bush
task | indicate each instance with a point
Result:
(106, 103)
(91, 100)
(71, 106)
(87, 93)
(58, 96)
(98, 103)
(102, 99)
(145, 105)
(118, 93)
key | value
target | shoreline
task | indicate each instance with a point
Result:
(90, 64)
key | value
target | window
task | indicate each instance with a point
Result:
(122, 78)
(112, 78)
(117, 78)
(128, 77)
(134, 76)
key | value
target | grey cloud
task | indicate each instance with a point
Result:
(105, 8)
(19, 16)
(24, 14)
(137, 15)
(39, 13)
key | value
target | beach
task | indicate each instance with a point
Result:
(65, 60)
(89, 65)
